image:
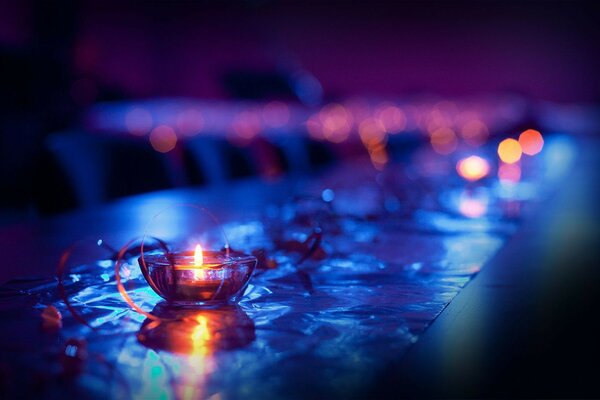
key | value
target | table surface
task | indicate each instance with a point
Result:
(523, 326)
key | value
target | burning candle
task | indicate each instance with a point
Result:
(198, 276)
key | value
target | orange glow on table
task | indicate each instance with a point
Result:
(531, 142)
(473, 168)
(200, 336)
(509, 151)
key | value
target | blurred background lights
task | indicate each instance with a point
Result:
(379, 156)
(443, 141)
(474, 132)
(509, 151)
(336, 121)
(509, 173)
(163, 139)
(189, 122)
(328, 195)
(138, 121)
(392, 119)
(473, 168)
(371, 132)
(247, 124)
(276, 114)
(315, 128)
(473, 205)
(531, 142)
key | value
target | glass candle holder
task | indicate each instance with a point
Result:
(178, 278)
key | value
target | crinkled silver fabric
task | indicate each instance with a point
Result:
(326, 327)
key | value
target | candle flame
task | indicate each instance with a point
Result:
(198, 257)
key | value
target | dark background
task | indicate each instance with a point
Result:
(546, 50)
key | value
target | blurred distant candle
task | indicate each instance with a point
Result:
(198, 276)
(509, 151)
(531, 142)
(473, 168)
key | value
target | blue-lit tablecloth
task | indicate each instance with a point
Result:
(395, 252)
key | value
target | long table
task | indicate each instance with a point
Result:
(416, 290)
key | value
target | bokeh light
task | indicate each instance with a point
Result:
(336, 122)
(315, 128)
(473, 205)
(163, 139)
(379, 156)
(474, 132)
(473, 168)
(247, 124)
(138, 121)
(371, 132)
(392, 119)
(276, 114)
(189, 122)
(509, 151)
(443, 141)
(531, 142)
(509, 172)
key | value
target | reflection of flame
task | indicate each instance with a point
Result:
(199, 364)
(197, 334)
(200, 336)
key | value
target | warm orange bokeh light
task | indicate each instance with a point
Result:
(371, 132)
(198, 256)
(473, 168)
(509, 151)
(531, 142)
(163, 139)
(379, 156)
(200, 336)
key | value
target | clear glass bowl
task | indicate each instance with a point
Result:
(175, 277)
